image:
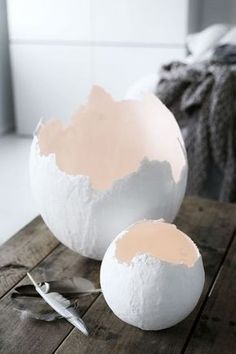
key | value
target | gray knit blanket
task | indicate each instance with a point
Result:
(202, 98)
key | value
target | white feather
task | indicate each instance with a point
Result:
(61, 305)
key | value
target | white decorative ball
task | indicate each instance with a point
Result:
(113, 164)
(152, 275)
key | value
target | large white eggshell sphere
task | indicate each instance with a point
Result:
(136, 168)
(148, 292)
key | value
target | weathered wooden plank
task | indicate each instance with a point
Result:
(216, 329)
(21, 336)
(23, 251)
(211, 226)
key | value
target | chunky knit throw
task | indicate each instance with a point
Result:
(202, 96)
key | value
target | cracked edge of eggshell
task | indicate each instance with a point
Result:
(142, 163)
(138, 256)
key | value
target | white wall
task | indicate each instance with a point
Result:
(59, 48)
(6, 104)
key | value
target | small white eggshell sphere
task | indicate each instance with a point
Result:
(115, 163)
(152, 284)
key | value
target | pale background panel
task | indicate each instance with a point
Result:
(139, 21)
(60, 47)
(117, 68)
(49, 19)
(49, 81)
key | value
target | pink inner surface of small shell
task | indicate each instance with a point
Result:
(160, 240)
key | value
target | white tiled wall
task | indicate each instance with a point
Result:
(49, 81)
(140, 21)
(59, 48)
(49, 20)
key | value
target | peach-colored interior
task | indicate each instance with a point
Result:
(161, 240)
(107, 140)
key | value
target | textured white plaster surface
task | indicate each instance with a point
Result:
(149, 293)
(87, 220)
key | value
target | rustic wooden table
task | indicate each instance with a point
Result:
(211, 328)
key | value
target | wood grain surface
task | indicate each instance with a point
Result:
(23, 252)
(216, 329)
(211, 328)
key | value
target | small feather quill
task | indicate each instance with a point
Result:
(69, 288)
(60, 304)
